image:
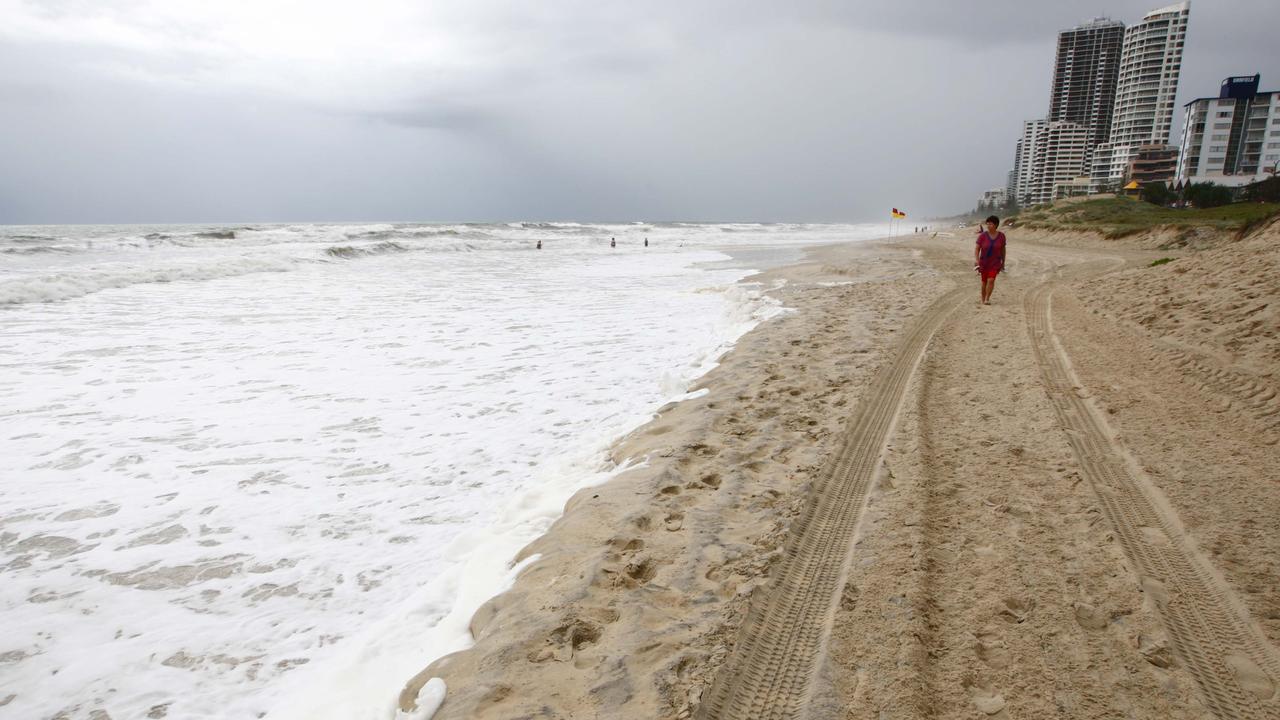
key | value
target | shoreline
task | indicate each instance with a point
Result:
(984, 573)
(374, 662)
(675, 441)
(234, 559)
(374, 665)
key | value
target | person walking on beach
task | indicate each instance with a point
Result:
(613, 242)
(988, 256)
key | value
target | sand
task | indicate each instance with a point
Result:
(895, 503)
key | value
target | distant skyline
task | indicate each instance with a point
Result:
(135, 111)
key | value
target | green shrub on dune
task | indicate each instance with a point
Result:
(1117, 217)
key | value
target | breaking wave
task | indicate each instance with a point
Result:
(348, 252)
(36, 250)
(67, 285)
(32, 238)
(56, 286)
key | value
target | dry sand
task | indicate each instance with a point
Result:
(896, 503)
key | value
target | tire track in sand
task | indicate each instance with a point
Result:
(769, 672)
(1236, 668)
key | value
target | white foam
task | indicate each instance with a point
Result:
(238, 488)
(429, 700)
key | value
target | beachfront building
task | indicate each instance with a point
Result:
(1085, 72)
(1021, 172)
(1153, 163)
(1050, 152)
(1233, 139)
(1075, 187)
(1150, 65)
(994, 198)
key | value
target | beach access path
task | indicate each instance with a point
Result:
(894, 502)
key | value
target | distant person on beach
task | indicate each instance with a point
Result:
(646, 242)
(988, 256)
(613, 242)
(539, 244)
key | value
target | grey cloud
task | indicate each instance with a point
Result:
(434, 116)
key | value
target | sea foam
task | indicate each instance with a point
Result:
(237, 485)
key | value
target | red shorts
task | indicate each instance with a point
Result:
(989, 274)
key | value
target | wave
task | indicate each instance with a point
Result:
(36, 250)
(407, 234)
(65, 286)
(560, 229)
(186, 239)
(31, 238)
(347, 252)
(218, 234)
(547, 225)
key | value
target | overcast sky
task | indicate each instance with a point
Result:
(293, 110)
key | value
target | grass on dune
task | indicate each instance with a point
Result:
(1118, 217)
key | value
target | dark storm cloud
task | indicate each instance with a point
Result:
(394, 109)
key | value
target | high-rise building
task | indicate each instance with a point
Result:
(993, 199)
(1233, 139)
(1050, 155)
(1058, 158)
(1150, 64)
(1085, 72)
(1022, 154)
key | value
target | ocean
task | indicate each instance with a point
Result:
(273, 469)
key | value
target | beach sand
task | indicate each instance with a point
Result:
(893, 502)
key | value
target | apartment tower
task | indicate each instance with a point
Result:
(1085, 72)
(1233, 139)
(1150, 64)
(1050, 155)
(1058, 148)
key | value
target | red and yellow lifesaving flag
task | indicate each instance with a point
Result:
(898, 213)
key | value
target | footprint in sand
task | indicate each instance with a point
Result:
(1016, 610)
(991, 650)
(1156, 651)
(674, 521)
(639, 572)
(574, 635)
(709, 481)
(1091, 618)
(1251, 677)
(983, 695)
(624, 546)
